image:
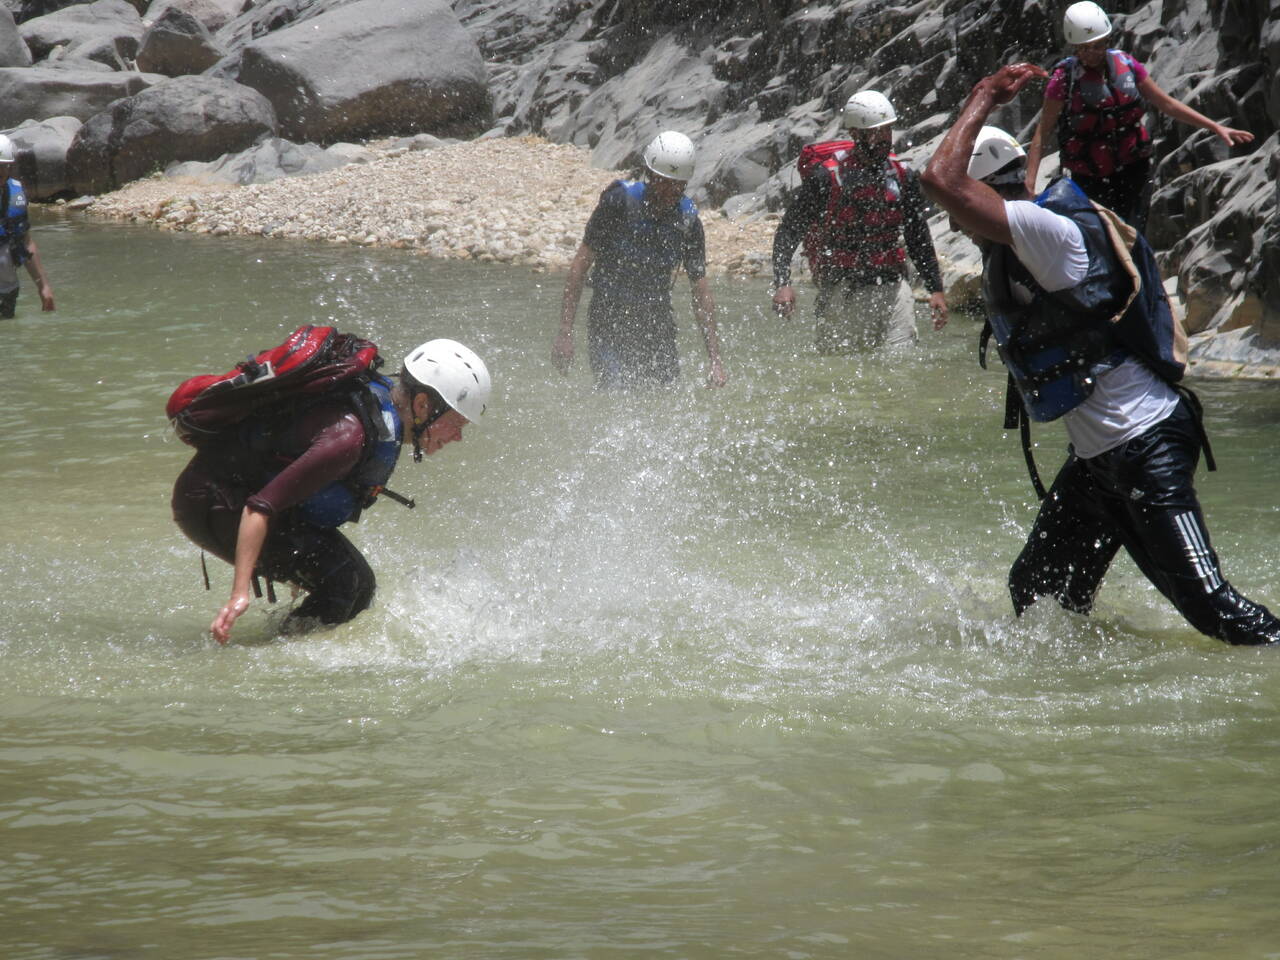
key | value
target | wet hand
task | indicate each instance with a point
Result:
(562, 352)
(716, 378)
(1231, 136)
(938, 308)
(1008, 81)
(227, 617)
(784, 301)
(46, 299)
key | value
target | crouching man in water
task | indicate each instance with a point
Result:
(638, 234)
(1084, 342)
(269, 495)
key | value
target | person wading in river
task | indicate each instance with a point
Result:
(267, 494)
(17, 245)
(638, 234)
(1096, 100)
(1076, 304)
(853, 209)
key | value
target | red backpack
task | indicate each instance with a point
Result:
(313, 361)
(817, 154)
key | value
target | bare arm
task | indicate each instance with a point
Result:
(973, 205)
(704, 308)
(562, 346)
(1155, 96)
(36, 269)
(1049, 114)
(249, 540)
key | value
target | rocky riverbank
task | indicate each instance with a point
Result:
(521, 200)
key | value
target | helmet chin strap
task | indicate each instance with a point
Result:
(421, 427)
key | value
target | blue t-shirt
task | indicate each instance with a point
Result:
(637, 247)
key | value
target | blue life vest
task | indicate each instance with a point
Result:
(14, 224)
(343, 500)
(273, 440)
(1055, 345)
(642, 257)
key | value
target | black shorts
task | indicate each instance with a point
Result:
(1127, 192)
(336, 576)
(630, 344)
(8, 302)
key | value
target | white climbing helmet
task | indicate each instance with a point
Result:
(1085, 22)
(6, 150)
(867, 110)
(670, 154)
(454, 372)
(993, 150)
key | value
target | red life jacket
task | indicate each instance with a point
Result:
(312, 362)
(861, 229)
(1100, 128)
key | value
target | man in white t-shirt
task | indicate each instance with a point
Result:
(1086, 343)
(16, 243)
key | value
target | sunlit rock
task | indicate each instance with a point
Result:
(369, 68)
(87, 26)
(47, 143)
(177, 44)
(185, 118)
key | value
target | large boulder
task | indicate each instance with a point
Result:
(186, 118)
(177, 44)
(46, 142)
(37, 93)
(256, 20)
(213, 15)
(89, 24)
(24, 10)
(269, 160)
(371, 68)
(14, 51)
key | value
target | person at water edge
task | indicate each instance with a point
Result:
(17, 245)
(268, 495)
(1096, 100)
(855, 205)
(1085, 341)
(638, 234)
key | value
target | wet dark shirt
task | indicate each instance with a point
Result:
(637, 248)
(306, 453)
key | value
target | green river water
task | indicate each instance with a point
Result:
(680, 673)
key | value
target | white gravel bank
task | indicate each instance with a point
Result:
(520, 200)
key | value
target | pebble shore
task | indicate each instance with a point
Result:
(520, 200)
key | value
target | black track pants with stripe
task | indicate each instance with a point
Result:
(1140, 496)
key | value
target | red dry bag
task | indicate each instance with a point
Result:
(313, 361)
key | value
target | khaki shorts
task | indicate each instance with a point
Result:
(863, 316)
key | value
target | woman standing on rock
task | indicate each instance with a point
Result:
(639, 233)
(1097, 99)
